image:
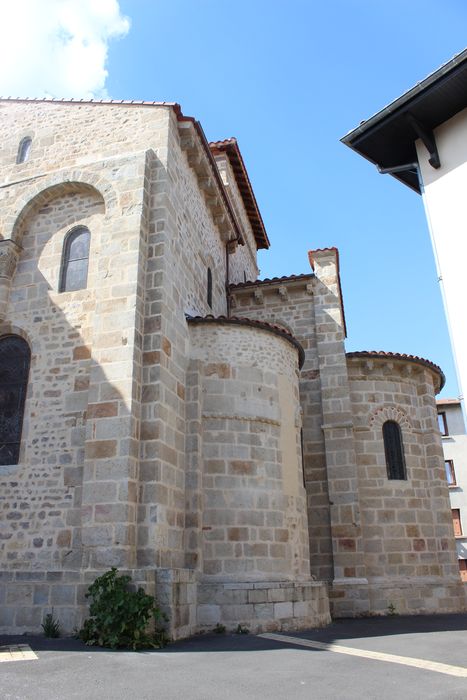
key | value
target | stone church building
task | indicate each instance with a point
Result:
(165, 412)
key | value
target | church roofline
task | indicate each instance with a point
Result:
(229, 146)
(252, 323)
(271, 281)
(382, 355)
(231, 149)
(387, 139)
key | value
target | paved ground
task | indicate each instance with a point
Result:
(384, 658)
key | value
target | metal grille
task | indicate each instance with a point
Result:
(14, 370)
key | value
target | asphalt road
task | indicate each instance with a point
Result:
(234, 667)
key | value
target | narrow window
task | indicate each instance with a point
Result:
(24, 150)
(394, 450)
(74, 270)
(14, 370)
(456, 521)
(209, 288)
(442, 423)
(450, 473)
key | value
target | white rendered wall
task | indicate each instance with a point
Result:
(455, 448)
(445, 198)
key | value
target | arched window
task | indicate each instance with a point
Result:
(74, 270)
(209, 288)
(24, 150)
(394, 450)
(14, 370)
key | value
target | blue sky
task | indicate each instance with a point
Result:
(288, 79)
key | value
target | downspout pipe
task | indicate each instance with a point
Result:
(227, 277)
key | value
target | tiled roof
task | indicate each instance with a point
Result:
(241, 321)
(442, 402)
(381, 354)
(231, 149)
(180, 117)
(63, 100)
(271, 280)
(229, 146)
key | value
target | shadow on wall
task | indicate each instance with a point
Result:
(71, 500)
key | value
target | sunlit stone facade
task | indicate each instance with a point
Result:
(210, 438)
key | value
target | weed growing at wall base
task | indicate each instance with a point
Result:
(121, 617)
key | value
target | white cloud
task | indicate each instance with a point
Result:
(57, 48)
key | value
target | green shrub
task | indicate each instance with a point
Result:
(121, 617)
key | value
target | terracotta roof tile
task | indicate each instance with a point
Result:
(242, 321)
(272, 280)
(381, 354)
(231, 149)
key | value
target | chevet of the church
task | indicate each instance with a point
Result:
(166, 412)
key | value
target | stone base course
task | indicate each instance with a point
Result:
(27, 596)
(264, 606)
(191, 606)
(401, 597)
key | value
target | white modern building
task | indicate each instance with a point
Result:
(452, 428)
(421, 139)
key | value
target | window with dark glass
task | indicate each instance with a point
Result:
(450, 473)
(14, 370)
(75, 258)
(442, 423)
(209, 288)
(24, 150)
(394, 450)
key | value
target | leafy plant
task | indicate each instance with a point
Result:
(392, 609)
(51, 626)
(219, 629)
(241, 629)
(121, 617)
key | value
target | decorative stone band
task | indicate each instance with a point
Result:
(9, 254)
(396, 357)
(337, 426)
(251, 419)
(263, 325)
(389, 412)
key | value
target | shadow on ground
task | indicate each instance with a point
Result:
(339, 630)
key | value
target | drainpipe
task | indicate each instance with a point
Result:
(399, 169)
(227, 277)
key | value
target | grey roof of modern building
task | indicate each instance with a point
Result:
(388, 137)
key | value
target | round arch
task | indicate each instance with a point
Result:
(44, 191)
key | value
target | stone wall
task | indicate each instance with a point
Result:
(27, 596)
(68, 137)
(253, 505)
(410, 555)
(291, 302)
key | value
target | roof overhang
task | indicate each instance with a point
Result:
(232, 151)
(388, 138)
